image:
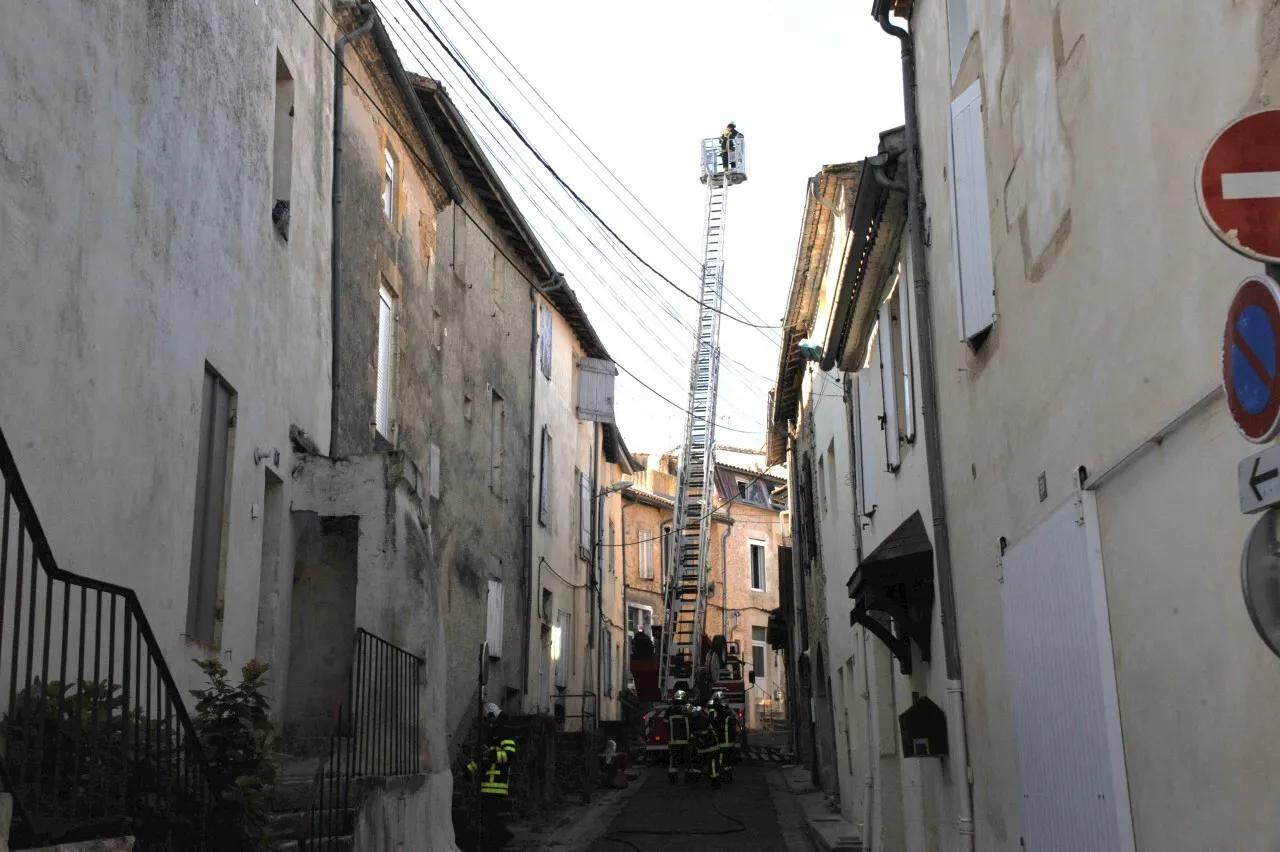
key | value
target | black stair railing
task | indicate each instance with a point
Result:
(377, 734)
(96, 739)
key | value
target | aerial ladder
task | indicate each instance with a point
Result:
(686, 587)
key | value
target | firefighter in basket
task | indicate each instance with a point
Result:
(678, 720)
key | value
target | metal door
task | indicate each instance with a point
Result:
(1066, 718)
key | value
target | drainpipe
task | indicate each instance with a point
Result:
(932, 428)
(369, 15)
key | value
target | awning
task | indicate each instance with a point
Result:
(896, 581)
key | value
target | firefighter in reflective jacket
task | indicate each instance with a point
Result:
(496, 759)
(677, 716)
(706, 744)
(725, 721)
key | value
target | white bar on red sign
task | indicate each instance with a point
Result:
(1241, 185)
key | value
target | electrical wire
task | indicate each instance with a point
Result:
(524, 140)
(480, 225)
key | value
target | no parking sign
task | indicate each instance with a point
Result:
(1251, 358)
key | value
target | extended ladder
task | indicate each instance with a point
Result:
(686, 587)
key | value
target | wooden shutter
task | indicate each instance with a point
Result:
(584, 512)
(905, 295)
(888, 389)
(868, 470)
(544, 338)
(972, 215)
(646, 554)
(493, 622)
(544, 482)
(386, 331)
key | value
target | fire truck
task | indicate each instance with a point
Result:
(732, 677)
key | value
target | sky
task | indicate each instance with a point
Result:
(617, 98)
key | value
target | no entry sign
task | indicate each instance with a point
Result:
(1238, 186)
(1251, 358)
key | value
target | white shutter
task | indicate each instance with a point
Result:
(493, 621)
(888, 389)
(544, 338)
(972, 215)
(868, 424)
(905, 294)
(386, 332)
(561, 648)
(584, 512)
(544, 481)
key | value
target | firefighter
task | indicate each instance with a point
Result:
(726, 726)
(494, 767)
(727, 138)
(706, 744)
(677, 716)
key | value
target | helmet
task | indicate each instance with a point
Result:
(491, 711)
(731, 124)
(679, 696)
(717, 697)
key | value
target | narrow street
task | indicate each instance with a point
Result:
(753, 814)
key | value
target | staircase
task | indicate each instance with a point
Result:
(695, 497)
(97, 741)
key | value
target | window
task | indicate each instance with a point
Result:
(493, 620)
(434, 476)
(664, 551)
(389, 184)
(282, 149)
(544, 480)
(386, 350)
(497, 428)
(213, 493)
(832, 479)
(544, 338)
(958, 32)
(608, 668)
(613, 566)
(584, 515)
(972, 216)
(758, 647)
(757, 566)
(907, 406)
(547, 598)
(437, 330)
(888, 389)
(645, 544)
(561, 648)
(742, 489)
(865, 424)
(822, 484)
(639, 617)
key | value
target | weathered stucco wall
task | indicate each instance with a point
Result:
(1110, 297)
(463, 331)
(136, 245)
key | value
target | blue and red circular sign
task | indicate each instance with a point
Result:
(1251, 358)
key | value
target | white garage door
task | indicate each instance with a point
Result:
(1062, 687)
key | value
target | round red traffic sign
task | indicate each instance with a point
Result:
(1251, 358)
(1238, 185)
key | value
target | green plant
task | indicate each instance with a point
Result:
(234, 725)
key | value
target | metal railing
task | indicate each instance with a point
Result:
(377, 734)
(97, 740)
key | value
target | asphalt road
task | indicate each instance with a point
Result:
(753, 814)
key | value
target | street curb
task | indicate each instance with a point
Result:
(828, 831)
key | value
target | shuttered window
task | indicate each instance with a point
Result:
(905, 357)
(645, 545)
(866, 426)
(888, 389)
(386, 348)
(972, 215)
(544, 339)
(216, 413)
(562, 648)
(584, 513)
(544, 480)
(493, 621)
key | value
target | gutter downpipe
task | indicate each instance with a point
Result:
(932, 427)
(370, 16)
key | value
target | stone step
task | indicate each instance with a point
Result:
(324, 844)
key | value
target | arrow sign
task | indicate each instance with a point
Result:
(1259, 480)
